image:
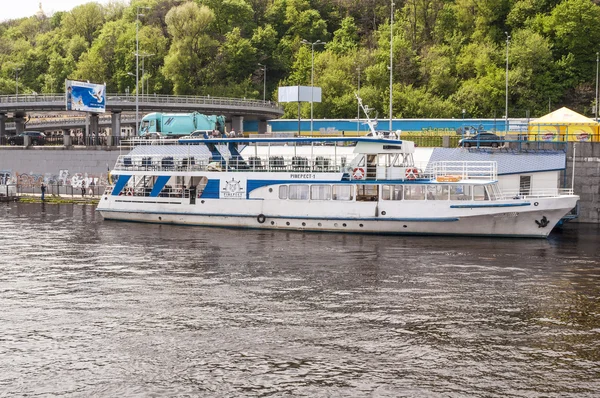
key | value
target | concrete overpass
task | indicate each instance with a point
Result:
(234, 109)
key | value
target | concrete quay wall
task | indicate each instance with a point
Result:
(56, 165)
(587, 178)
(72, 166)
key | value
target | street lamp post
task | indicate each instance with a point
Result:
(264, 68)
(137, 66)
(391, 59)
(506, 104)
(596, 105)
(312, 72)
(358, 106)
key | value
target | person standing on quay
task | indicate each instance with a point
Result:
(43, 189)
(82, 189)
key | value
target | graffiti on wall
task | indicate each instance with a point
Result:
(63, 178)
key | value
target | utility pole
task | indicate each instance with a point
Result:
(506, 105)
(137, 67)
(312, 73)
(391, 60)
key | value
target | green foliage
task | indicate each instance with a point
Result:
(448, 55)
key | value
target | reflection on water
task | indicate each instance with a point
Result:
(95, 308)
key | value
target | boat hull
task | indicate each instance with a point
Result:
(508, 219)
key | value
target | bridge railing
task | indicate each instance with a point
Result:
(147, 99)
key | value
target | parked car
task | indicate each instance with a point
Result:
(36, 138)
(482, 139)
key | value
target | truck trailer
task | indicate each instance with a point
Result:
(179, 124)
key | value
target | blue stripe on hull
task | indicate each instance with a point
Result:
(496, 205)
(439, 219)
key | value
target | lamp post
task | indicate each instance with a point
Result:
(264, 68)
(312, 72)
(137, 65)
(17, 83)
(391, 59)
(596, 105)
(506, 104)
(144, 56)
(358, 106)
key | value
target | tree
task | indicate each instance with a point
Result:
(189, 61)
(85, 20)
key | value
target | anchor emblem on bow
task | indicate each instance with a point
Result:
(543, 222)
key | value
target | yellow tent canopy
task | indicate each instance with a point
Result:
(563, 125)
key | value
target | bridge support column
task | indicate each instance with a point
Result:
(115, 127)
(2, 125)
(91, 129)
(262, 126)
(237, 124)
(19, 121)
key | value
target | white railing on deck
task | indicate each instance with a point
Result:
(277, 163)
(538, 193)
(464, 170)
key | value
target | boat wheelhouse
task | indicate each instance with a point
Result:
(357, 185)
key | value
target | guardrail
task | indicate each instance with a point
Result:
(147, 99)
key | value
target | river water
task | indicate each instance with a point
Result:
(112, 309)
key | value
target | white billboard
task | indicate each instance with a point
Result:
(86, 97)
(299, 94)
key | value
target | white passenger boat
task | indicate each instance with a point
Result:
(356, 185)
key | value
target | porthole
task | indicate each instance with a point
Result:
(383, 213)
(320, 225)
(304, 224)
(287, 223)
(405, 226)
(159, 218)
(272, 222)
(105, 198)
(360, 225)
(335, 225)
(202, 201)
(270, 189)
(344, 224)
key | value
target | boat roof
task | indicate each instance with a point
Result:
(509, 162)
(287, 140)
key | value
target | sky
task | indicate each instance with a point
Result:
(28, 8)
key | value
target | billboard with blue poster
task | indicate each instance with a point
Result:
(85, 97)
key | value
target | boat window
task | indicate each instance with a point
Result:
(367, 193)
(342, 192)
(524, 185)
(437, 192)
(460, 192)
(384, 159)
(298, 192)
(402, 160)
(480, 193)
(414, 192)
(391, 192)
(320, 192)
(283, 192)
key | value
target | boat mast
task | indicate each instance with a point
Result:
(370, 122)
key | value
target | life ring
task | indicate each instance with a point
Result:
(261, 218)
(129, 192)
(358, 173)
(411, 173)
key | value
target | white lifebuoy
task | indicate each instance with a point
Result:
(358, 173)
(411, 173)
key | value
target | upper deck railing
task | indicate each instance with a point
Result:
(464, 170)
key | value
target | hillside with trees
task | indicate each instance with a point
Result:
(448, 55)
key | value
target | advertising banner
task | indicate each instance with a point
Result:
(86, 97)
(299, 94)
